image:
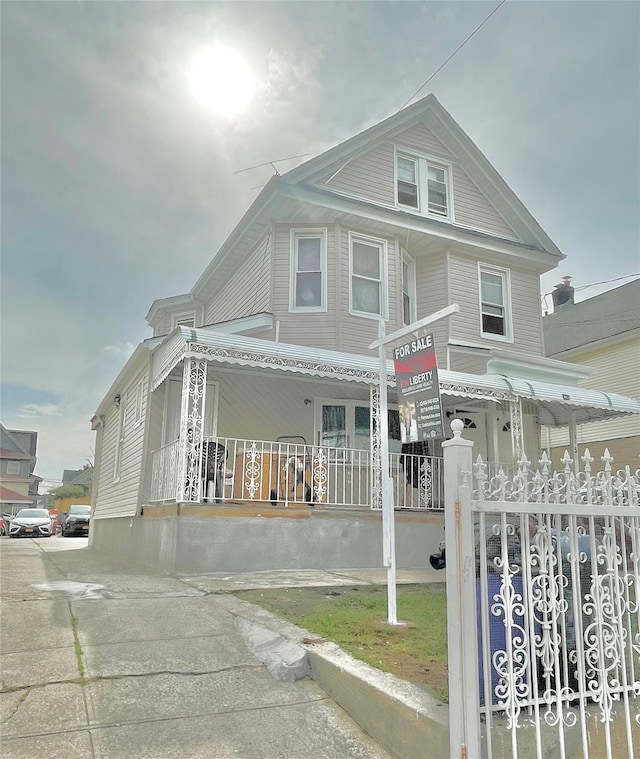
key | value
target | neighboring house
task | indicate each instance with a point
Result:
(267, 358)
(602, 333)
(18, 484)
(78, 476)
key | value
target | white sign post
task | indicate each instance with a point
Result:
(388, 521)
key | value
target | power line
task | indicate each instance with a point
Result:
(460, 46)
(595, 284)
(422, 86)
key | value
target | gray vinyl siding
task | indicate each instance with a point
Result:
(367, 176)
(467, 362)
(472, 209)
(422, 139)
(525, 306)
(155, 418)
(281, 410)
(121, 497)
(431, 296)
(371, 176)
(247, 291)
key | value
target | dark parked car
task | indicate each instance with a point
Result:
(76, 520)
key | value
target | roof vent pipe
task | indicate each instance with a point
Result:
(563, 294)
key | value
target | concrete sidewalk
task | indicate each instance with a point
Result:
(104, 660)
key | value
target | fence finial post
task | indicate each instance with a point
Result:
(464, 714)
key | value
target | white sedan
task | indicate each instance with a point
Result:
(31, 523)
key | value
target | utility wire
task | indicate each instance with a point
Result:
(422, 86)
(594, 284)
(460, 46)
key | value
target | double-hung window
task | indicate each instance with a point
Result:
(495, 303)
(367, 267)
(422, 184)
(308, 278)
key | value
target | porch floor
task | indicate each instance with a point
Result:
(239, 510)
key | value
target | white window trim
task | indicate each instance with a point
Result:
(137, 416)
(382, 246)
(350, 406)
(13, 467)
(508, 319)
(410, 289)
(117, 463)
(424, 160)
(295, 234)
(175, 318)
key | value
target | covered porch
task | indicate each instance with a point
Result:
(249, 421)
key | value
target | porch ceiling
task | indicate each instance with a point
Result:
(555, 403)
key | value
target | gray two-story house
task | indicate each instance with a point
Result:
(18, 484)
(259, 388)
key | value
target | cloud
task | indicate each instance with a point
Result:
(122, 352)
(37, 410)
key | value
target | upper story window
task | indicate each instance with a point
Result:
(422, 183)
(495, 303)
(186, 319)
(137, 414)
(367, 268)
(308, 270)
(408, 289)
(13, 467)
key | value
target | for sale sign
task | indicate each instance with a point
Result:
(416, 369)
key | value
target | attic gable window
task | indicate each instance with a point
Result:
(367, 268)
(308, 291)
(495, 303)
(422, 183)
(187, 319)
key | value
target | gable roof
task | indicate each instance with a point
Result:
(22, 443)
(612, 314)
(430, 111)
(77, 476)
(10, 496)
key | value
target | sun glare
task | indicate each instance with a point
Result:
(221, 80)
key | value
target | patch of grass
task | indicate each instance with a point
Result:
(355, 618)
(77, 646)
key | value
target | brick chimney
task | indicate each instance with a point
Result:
(563, 294)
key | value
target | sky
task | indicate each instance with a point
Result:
(118, 185)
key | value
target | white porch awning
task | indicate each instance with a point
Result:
(555, 402)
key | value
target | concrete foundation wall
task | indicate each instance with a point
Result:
(195, 543)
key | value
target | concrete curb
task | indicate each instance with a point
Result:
(402, 718)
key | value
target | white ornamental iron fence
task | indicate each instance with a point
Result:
(543, 604)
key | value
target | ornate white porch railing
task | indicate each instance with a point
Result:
(545, 639)
(164, 473)
(287, 472)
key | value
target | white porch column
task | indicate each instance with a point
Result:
(573, 441)
(376, 454)
(464, 712)
(194, 384)
(517, 439)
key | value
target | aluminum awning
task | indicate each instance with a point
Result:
(555, 403)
